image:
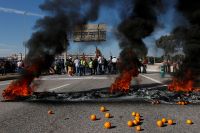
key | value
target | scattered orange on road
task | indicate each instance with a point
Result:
(138, 128)
(137, 118)
(189, 122)
(50, 112)
(133, 114)
(164, 120)
(93, 117)
(107, 125)
(182, 102)
(135, 122)
(159, 123)
(103, 109)
(170, 122)
(130, 123)
(137, 115)
(107, 115)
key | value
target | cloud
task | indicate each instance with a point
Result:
(9, 10)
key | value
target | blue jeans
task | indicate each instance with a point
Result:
(77, 71)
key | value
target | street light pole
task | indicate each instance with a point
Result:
(24, 43)
(20, 56)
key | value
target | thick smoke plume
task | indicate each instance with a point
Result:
(139, 24)
(190, 35)
(50, 37)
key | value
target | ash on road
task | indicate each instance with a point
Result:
(73, 117)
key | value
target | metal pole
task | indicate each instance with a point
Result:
(24, 43)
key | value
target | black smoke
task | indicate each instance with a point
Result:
(52, 31)
(190, 35)
(140, 23)
(51, 34)
(50, 37)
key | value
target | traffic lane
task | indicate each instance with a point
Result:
(156, 76)
(54, 83)
(62, 83)
(67, 86)
(74, 117)
(89, 84)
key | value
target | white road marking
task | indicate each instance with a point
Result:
(72, 78)
(157, 81)
(52, 89)
(4, 84)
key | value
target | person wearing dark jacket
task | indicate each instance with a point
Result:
(95, 65)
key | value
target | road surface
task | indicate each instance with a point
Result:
(73, 117)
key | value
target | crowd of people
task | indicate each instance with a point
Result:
(7, 66)
(81, 66)
(169, 66)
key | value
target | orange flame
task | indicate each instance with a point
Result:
(123, 82)
(184, 86)
(21, 87)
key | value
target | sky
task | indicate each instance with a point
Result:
(17, 19)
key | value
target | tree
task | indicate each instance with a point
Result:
(170, 44)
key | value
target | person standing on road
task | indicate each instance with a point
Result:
(70, 67)
(77, 66)
(95, 65)
(82, 66)
(19, 66)
(169, 66)
(114, 65)
(110, 65)
(162, 70)
(91, 66)
(105, 65)
(174, 66)
(2, 68)
(144, 64)
(100, 64)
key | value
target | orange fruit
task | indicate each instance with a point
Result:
(137, 118)
(93, 117)
(135, 122)
(189, 122)
(182, 103)
(137, 115)
(107, 125)
(133, 113)
(138, 128)
(107, 115)
(130, 123)
(50, 112)
(159, 123)
(170, 122)
(164, 120)
(102, 109)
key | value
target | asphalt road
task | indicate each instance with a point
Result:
(73, 117)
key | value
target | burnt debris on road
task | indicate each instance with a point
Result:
(154, 94)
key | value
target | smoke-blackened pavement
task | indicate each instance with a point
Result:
(70, 117)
